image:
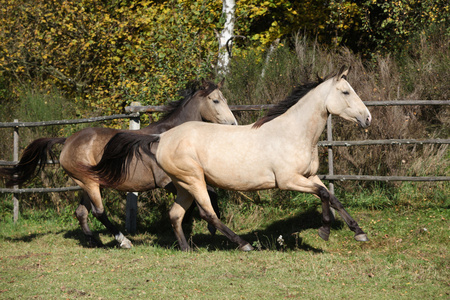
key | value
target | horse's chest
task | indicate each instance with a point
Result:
(307, 162)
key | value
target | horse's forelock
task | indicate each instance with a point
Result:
(207, 88)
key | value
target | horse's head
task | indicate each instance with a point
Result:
(213, 105)
(343, 101)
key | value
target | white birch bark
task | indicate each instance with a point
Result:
(228, 10)
(272, 48)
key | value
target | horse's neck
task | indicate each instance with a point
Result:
(307, 118)
(173, 120)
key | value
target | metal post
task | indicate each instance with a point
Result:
(16, 158)
(132, 197)
(330, 158)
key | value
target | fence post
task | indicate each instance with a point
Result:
(132, 197)
(330, 158)
(16, 158)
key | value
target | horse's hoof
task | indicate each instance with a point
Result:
(324, 234)
(246, 247)
(126, 244)
(212, 229)
(362, 237)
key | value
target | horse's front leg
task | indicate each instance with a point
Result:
(327, 216)
(200, 194)
(182, 203)
(352, 224)
(212, 195)
(329, 199)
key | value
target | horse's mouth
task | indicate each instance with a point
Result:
(364, 123)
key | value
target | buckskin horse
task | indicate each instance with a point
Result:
(85, 148)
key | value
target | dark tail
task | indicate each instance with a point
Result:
(113, 169)
(33, 159)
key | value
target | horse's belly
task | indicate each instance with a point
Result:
(244, 179)
(143, 176)
(136, 186)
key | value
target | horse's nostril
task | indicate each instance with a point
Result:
(369, 120)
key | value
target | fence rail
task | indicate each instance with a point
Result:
(135, 110)
(133, 113)
(66, 122)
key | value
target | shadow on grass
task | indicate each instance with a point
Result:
(161, 234)
(25, 238)
(78, 235)
(264, 239)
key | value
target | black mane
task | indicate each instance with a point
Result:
(296, 95)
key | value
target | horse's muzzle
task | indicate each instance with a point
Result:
(365, 121)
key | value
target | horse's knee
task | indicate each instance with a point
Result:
(176, 216)
(175, 219)
(98, 212)
(81, 212)
(323, 194)
(207, 215)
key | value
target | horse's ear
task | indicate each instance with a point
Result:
(205, 85)
(319, 79)
(342, 73)
(221, 83)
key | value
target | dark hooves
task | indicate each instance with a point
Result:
(362, 237)
(212, 229)
(324, 234)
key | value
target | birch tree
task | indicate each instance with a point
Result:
(228, 11)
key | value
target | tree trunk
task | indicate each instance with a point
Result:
(228, 10)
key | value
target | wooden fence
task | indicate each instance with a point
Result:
(133, 113)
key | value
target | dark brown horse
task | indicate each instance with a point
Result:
(85, 148)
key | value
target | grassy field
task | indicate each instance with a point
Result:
(43, 256)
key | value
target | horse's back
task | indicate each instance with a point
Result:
(85, 147)
(228, 156)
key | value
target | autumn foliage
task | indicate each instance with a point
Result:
(105, 54)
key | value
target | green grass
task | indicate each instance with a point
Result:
(43, 256)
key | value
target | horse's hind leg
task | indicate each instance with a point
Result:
(99, 212)
(82, 213)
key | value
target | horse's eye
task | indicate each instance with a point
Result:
(346, 93)
(216, 101)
